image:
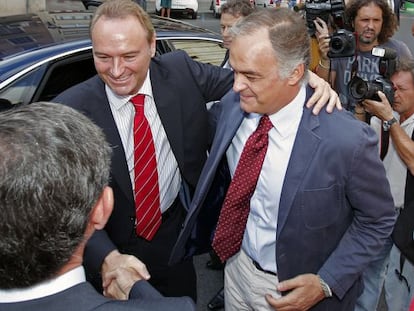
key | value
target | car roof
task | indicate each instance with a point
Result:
(30, 38)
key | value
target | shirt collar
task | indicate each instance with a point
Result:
(119, 101)
(288, 118)
(47, 288)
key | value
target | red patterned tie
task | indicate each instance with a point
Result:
(146, 193)
(233, 217)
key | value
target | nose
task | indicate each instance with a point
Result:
(225, 30)
(117, 67)
(238, 84)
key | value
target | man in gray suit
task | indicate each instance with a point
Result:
(54, 174)
(318, 207)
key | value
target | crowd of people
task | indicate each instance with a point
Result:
(303, 203)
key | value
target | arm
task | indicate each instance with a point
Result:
(373, 215)
(403, 143)
(215, 82)
(322, 35)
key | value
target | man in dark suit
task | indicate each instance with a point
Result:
(319, 206)
(54, 173)
(176, 89)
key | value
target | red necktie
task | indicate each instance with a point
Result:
(233, 216)
(146, 193)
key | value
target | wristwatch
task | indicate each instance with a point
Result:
(325, 287)
(386, 125)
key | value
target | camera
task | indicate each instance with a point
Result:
(342, 44)
(322, 9)
(361, 89)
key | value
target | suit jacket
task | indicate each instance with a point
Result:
(83, 297)
(335, 210)
(181, 88)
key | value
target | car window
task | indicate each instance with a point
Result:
(63, 74)
(204, 51)
(22, 90)
(47, 81)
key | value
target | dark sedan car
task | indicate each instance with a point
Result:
(41, 55)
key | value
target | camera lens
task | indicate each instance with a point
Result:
(358, 89)
(337, 44)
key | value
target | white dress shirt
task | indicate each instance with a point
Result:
(259, 241)
(123, 111)
(47, 288)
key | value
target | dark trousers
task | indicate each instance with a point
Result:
(172, 281)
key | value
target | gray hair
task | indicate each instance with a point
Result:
(287, 33)
(405, 65)
(54, 164)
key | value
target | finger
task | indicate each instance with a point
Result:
(271, 301)
(320, 98)
(139, 267)
(115, 291)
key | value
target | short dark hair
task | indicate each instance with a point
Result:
(54, 165)
(237, 8)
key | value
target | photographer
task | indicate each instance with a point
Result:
(399, 165)
(373, 23)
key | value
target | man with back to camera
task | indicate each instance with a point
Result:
(398, 121)
(54, 174)
(374, 23)
(174, 89)
(317, 201)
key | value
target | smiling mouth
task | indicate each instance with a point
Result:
(119, 80)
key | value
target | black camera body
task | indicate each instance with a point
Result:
(323, 9)
(342, 44)
(361, 89)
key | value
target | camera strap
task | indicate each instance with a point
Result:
(354, 68)
(385, 141)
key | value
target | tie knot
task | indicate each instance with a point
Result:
(264, 124)
(138, 101)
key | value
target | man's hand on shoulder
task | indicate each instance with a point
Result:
(119, 274)
(322, 95)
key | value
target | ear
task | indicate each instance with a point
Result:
(102, 209)
(153, 46)
(296, 75)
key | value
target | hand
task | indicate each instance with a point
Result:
(305, 292)
(119, 271)
(322, 93)
(121, 281)
(381, 109)
(323, 37)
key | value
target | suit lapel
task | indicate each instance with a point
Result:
(304, 148)
(166, 99)
(103, 117)
(227, 125)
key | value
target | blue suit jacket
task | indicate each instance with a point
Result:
(83, 297)
(181, 89)
(335, 209)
